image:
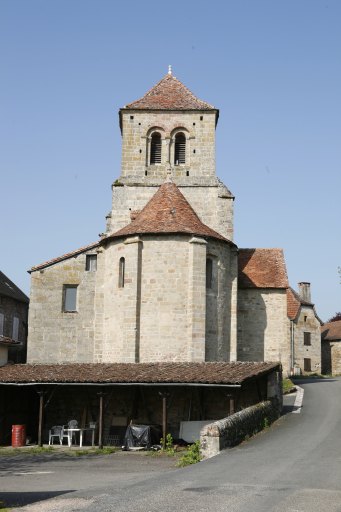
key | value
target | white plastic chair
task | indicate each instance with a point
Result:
(56, 431)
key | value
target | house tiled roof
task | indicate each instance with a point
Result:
(331, 331)
(262, 268)
(294, 302)
(169, 94)
(9, 289)
(5, 340)
(65, 256)
(120, 373)
(167, 212)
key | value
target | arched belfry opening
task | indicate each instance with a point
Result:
(180, 149)
(155, 148)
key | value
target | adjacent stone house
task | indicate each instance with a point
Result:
(13, 322)
(304, 331)
(331, 347)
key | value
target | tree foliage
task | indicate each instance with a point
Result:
(335, 318)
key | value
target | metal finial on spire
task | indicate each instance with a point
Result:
(170, 69)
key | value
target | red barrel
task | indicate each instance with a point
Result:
(18, 435)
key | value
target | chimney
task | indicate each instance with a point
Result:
(304, 291)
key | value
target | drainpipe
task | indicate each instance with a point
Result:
(292, 339)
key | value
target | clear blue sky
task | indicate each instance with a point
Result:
(273, 68)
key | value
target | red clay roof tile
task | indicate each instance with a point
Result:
(65, 256)
(169, 94)
(168, 211)
(199, 373)
(262, 268)
(331, 331)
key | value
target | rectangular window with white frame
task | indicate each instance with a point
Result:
(91, 263)
(70, 298)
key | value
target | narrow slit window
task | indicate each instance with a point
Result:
(180, 149)
(209, 273)
(2, 321)
(121, 273)
(155, 149)
(15, 331)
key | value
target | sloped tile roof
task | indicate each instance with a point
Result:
(169, 94)
(294, 302)
(331, 331)
(199, 373)
(9, 289)
(262, 268)
(65, 256)
(167, 212)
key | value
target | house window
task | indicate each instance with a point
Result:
(155, 149)
(70, 298)
(15, 330)
(307, 365)
(91, 262)
(2, 321)
(180, 149)
(307, 338)
(121, 273)
(209, 273)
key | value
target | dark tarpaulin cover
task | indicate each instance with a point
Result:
(141, 436)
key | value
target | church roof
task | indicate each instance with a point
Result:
(168, 211)
(331, 331)
(169, 94)
(262, 268)
(140, 373)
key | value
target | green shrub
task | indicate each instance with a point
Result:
(192, 456)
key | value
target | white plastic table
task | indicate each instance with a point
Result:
(70, 431)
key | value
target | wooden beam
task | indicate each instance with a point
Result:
(41, 415)
(100, 421)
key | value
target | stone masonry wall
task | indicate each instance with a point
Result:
(232, 430)
(11, 308)
(56, 336)
(199, 130)
(262, 326)
(331, 357)
(218, 302)
(307, 322)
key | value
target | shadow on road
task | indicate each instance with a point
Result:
(19, 499)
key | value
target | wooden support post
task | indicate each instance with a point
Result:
(41, 414)
(164, 397)
(100, 421)
(232, 404)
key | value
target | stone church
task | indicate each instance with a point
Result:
(165, 282)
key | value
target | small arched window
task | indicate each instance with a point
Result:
(121, 273)
(180, 149)
(209, 273)
(155, 149)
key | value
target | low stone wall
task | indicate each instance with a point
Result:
(231, 431)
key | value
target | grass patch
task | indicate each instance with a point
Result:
(3, 507)
(37, 450)
(288, 386)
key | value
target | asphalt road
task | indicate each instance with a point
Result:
(294, 466)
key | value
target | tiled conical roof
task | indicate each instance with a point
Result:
(169, 94)
(167, 212)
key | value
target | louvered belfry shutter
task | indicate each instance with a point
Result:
(180, 149)
(155, 149)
